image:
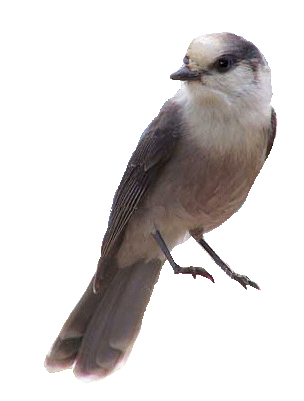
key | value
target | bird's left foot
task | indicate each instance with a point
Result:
(244, 281)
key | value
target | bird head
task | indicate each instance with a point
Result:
(227, 67)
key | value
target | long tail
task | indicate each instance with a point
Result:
(101, 330)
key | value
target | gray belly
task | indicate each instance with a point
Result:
(196, 190)
(203, 190)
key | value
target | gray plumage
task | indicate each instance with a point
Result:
(192, 169)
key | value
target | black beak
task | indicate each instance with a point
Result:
(185, 74)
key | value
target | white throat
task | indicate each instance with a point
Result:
(216, 120)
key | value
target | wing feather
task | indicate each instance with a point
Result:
(153, 151)
(272, 131)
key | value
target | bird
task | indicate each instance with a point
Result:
(192, 170)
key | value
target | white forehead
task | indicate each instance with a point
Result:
(205, 49)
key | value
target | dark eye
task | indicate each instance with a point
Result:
(186, 60)
(224, 64)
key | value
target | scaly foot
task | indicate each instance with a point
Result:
(244, 280)
(195, 271)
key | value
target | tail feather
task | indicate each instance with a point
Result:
(65, 349)
(100, 332)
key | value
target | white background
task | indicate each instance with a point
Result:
(80, 81)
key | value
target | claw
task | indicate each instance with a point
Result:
(194, 271)
(244, 281)
(254, 285)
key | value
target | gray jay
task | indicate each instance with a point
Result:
(192, 169)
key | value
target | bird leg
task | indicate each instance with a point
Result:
(195, 271)
(243, 280)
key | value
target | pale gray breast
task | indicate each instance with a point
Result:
(208, 184)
